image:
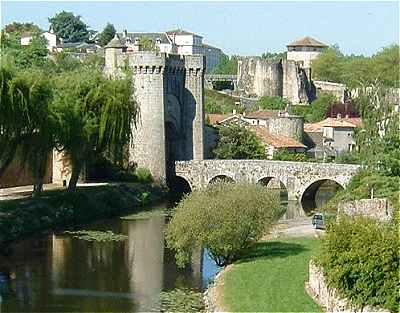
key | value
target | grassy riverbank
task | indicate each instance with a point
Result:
(61, 209)
(270, 278)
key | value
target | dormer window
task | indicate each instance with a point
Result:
(158, 41)
(136, 41)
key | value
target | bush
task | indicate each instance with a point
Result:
(361, 186)
(224, 218)
(360, 258)
(238, 142)
(143, 175)
(284, 155)
(272, 103)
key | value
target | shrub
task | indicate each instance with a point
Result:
(284, 155)
(238, 142)
(272, 103)
(143, 175)
(361, 186)
(224, 218)
(360, 258)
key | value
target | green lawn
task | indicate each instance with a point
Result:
(271, 278)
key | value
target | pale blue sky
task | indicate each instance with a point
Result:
(245, 28)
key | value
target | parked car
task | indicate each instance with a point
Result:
(318, 221)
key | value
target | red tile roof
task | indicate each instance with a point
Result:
(307, 41)
(277, 141)
(348, 122)
(262, 114)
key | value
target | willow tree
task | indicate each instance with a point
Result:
(95, 114)
(26, 125)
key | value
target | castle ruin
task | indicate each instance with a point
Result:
(259, 77)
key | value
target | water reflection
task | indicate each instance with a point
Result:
(58, 273)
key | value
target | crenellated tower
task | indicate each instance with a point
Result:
(169, 90)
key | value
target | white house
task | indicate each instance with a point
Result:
(50, 36)
(176, 41)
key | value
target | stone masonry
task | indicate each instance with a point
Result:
(297, 177)
(169, 91)
(258, 77)
(327, 297)
(379, 209)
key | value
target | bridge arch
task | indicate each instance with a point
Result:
(271, 182)
(221, 177)
(309, 193)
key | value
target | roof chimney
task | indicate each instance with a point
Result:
(125, 33)
(234, 111)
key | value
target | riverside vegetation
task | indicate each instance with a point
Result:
(62, 209)
(224, 218)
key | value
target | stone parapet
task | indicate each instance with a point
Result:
(379, 209)
(328, 298)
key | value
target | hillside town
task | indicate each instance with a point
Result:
(152, 171)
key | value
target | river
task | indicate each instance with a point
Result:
(58, 273)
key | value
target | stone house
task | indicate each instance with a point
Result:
(276, 142)
(331, 136)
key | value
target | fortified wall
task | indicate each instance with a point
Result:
(169, 92)
(259, 77)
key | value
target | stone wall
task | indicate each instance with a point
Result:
(336, 89)
(328, 297)
(379, 209)
(18, 175)
(169, 90)
(259, 77)
(289, 126)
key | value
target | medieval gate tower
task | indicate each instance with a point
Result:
(169, 90)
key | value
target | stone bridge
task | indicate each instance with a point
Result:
(211, 78)
(301, 179)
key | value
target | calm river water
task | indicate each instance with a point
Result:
(57, 273)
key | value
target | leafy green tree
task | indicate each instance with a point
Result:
(17, 28)
(284, 155)
(237, 142)
(272, 103)
(107, 34)
(25, 120)
(328, 66)
(37, 145)
(34, 54)
(274, 56)
(146, 44)
(378, 139)
(95, 115)
(227, 65)
(69, 27)
(360, 259)
(357, 70)
(225, 218)
(317, 110)
(387, 66)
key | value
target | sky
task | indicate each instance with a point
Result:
(243, 28)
